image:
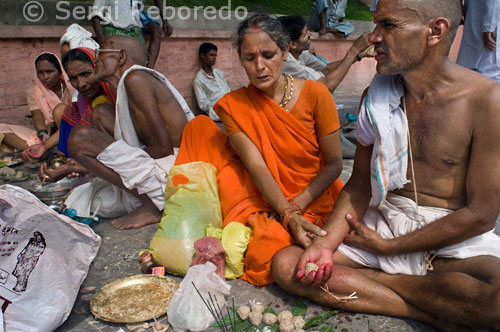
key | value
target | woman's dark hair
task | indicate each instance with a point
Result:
(293, 24)
(50, 58)
(76, 54)
(265, 23)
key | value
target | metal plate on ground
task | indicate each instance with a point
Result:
(133, 299)
(10, 162)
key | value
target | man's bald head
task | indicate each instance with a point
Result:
(135, 50)
(428, 10)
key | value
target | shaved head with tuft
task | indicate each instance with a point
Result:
(136, 50)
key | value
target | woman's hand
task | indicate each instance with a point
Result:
(304, 230)
(34, 152)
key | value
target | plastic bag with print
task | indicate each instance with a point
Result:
(44, 258)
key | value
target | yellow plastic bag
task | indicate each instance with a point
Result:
(211, 230)
(235, 238)
(191, 203)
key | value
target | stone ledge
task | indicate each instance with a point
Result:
(56, 31)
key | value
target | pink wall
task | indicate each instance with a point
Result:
(178, 60)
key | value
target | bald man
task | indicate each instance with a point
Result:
(421, 249)
(134, 148)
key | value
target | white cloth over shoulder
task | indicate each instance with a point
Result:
(76, 36)
(124, 127)
(397, 218)
(382, 123)
(127, 158)
(482, 16)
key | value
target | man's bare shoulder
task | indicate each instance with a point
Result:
(481, 92)
(141, 83)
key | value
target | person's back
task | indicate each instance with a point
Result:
(169, 110)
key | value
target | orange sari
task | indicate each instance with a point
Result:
(290, 149)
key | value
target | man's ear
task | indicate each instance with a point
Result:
(123, 57)
(438, 29)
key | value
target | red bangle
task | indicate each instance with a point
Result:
(286, 218)
(295, 205)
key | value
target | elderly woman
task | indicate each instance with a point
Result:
(79, 63)
(278, 168)
(46, 101)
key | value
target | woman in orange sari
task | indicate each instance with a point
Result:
(278, 168)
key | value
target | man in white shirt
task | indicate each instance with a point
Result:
(302, 64)
(209, 84)
(479, 48)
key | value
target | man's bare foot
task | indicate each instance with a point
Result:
(144, 215)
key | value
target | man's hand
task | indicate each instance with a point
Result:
(323, 258)
(167, 28)
(366, 238)
(490, 40)
(304, 230)
(360, 45)
(34, 152)
(53, 175)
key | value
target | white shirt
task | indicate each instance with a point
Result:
(208, 89)
(307, 66)
(122, 14)
(482, 16)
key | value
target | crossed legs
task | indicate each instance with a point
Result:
(464, 292)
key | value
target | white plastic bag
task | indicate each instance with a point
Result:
(44, 258)
(186, 310)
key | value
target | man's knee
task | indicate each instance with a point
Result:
(78, 135)
(284, 264)
(101, 114)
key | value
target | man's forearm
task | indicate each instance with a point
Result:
(353, 199)
(453, 228)
(336, 75)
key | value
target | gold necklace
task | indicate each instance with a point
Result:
(284, 93)
(286, 99)
(62, 91)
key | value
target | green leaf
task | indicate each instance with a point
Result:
(299, 309)
(326, 329)
(275, 327)
(269, 309)
(227, 321)
(319, 319)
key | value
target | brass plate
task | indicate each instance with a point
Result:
(133, 299)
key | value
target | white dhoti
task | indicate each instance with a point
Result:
(137, 169)
(397, 218)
